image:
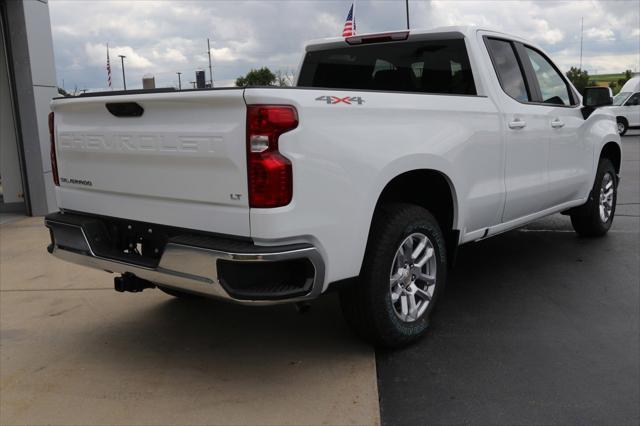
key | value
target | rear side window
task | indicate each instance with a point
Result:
(440, 66)
(508, 69)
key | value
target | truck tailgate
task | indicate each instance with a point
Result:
(181, 163)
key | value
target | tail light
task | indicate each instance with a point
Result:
(54, 160)
(269, 172)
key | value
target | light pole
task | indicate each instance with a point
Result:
(210, 68)
(124, 80)
(179, 81)
(581, 37)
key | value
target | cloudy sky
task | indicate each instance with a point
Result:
(163, 37)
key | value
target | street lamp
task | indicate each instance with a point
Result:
(124, 80)
(179, 81)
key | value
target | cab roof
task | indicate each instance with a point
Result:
(459, 30)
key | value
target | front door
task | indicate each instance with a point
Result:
(570, 157)
(631, 110)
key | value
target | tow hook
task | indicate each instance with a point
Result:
(131, 283)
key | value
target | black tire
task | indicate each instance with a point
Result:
(586, 219)
(179, 294)
(625, 125)
(367, 304)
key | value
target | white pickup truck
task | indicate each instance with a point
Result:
(393, 150)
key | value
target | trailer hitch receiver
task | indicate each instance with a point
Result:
(131, 283)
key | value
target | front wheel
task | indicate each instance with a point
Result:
(623, 126)
(403, 272)
(595, 217)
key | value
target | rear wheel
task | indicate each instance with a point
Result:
(403, 272)
(595, 217)
(623, 126)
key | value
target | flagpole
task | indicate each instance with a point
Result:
(109, 69)
(354, 17)
(406, 3)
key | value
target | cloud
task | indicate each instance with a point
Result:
(601, 64)
(224, 54)
(599, 34)
(96, 54)
(166, 37)
(544, 32)
(170, 54)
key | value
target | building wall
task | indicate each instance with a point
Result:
(31, 54)
(12, 193)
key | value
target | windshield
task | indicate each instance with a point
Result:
(620, 98)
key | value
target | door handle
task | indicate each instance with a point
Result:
(517, 124)
(557, 123)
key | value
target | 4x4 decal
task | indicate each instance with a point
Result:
(349, 100)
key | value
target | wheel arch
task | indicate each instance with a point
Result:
(430, 189)
(612, 151)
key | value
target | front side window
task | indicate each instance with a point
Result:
(508, 69)
(634, 100)
(553, 88)
(439, 66)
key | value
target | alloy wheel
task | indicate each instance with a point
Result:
(413, 277)
(606, 197)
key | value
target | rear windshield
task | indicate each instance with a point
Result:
(440, 66)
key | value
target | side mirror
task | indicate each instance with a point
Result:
(595, 97)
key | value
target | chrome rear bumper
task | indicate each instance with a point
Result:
(185, 266)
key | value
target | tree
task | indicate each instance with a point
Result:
(260, 77)
(63, 92)
(579, 78)
(616, 85)
(626, 77)
(284, 78)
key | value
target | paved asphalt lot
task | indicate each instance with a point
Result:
(73, 351)
(537, 326)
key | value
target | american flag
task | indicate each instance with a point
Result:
(349, 25)
(108, 68)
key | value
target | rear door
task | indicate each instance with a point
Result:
(526, 128)
(175, 159)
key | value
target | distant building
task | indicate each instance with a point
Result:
(148, 81)
(200, 80)
(27, 83)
